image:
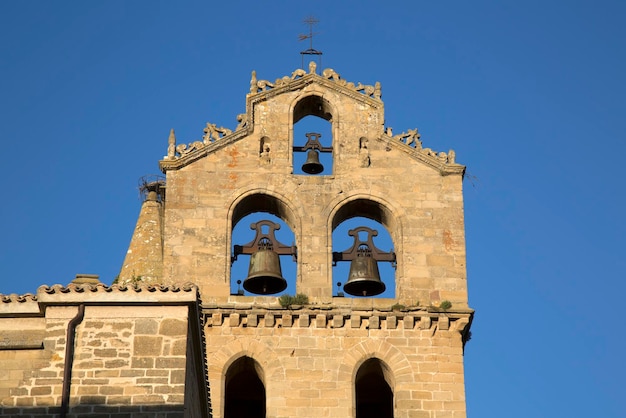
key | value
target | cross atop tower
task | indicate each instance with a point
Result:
(310, 21)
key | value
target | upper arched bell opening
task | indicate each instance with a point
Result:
(312, 136)
(313, 106)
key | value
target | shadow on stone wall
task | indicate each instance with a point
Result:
(97, 411)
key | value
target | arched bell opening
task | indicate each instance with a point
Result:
(373, 390)
(364, 259)
(312, 137)
(263, 250)
(244, 390)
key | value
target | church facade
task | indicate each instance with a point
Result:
(182, 333)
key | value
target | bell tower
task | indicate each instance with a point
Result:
(362, 344)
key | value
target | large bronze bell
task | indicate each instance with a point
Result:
(364, 277)
(264, 273)
(312, 164)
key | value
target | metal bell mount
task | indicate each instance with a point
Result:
(264, 273)
(364, 277)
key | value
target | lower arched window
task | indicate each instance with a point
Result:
(374, 396)
(245, 392)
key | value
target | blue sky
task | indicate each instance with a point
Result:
(531, 95)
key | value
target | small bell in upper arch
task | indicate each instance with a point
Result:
(312, 164)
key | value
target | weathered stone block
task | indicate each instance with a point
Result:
(304, 321)
(170, 363)
(374, 322)
(40, 390)
(173, 327)
(233, 320)
(147, 345)
(142, 363)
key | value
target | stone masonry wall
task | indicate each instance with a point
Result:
(127, 360)
(309, 358)
(422, 207)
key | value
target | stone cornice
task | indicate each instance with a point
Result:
(100, 293)
(251, 316)
(15, 305)
(74, 294)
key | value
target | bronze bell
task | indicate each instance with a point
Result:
(264, 273)
(312, 164)
(364, 278)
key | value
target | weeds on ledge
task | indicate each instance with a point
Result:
(287, 301)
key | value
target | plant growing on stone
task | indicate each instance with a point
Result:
(288, 300)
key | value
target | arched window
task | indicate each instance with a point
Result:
(344, 271)
(256, 218)
(374, 240)
(373, 391)
(245, 392)
(312, 137)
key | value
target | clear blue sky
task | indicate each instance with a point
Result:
(530, 94)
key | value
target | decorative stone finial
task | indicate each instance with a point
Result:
(312, 67)
(171, 146)
(253, 86)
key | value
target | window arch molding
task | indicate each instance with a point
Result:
(314, 104)
(400, 368)
(272, 369)
(263, 200)
(395, 359)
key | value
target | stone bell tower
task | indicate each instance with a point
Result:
(352, 352)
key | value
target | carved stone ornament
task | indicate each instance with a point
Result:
(242, 118)
(257, 86)
(265, 155)
(171, 146)
(412, 137)
(364, 154)
(212, 133)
